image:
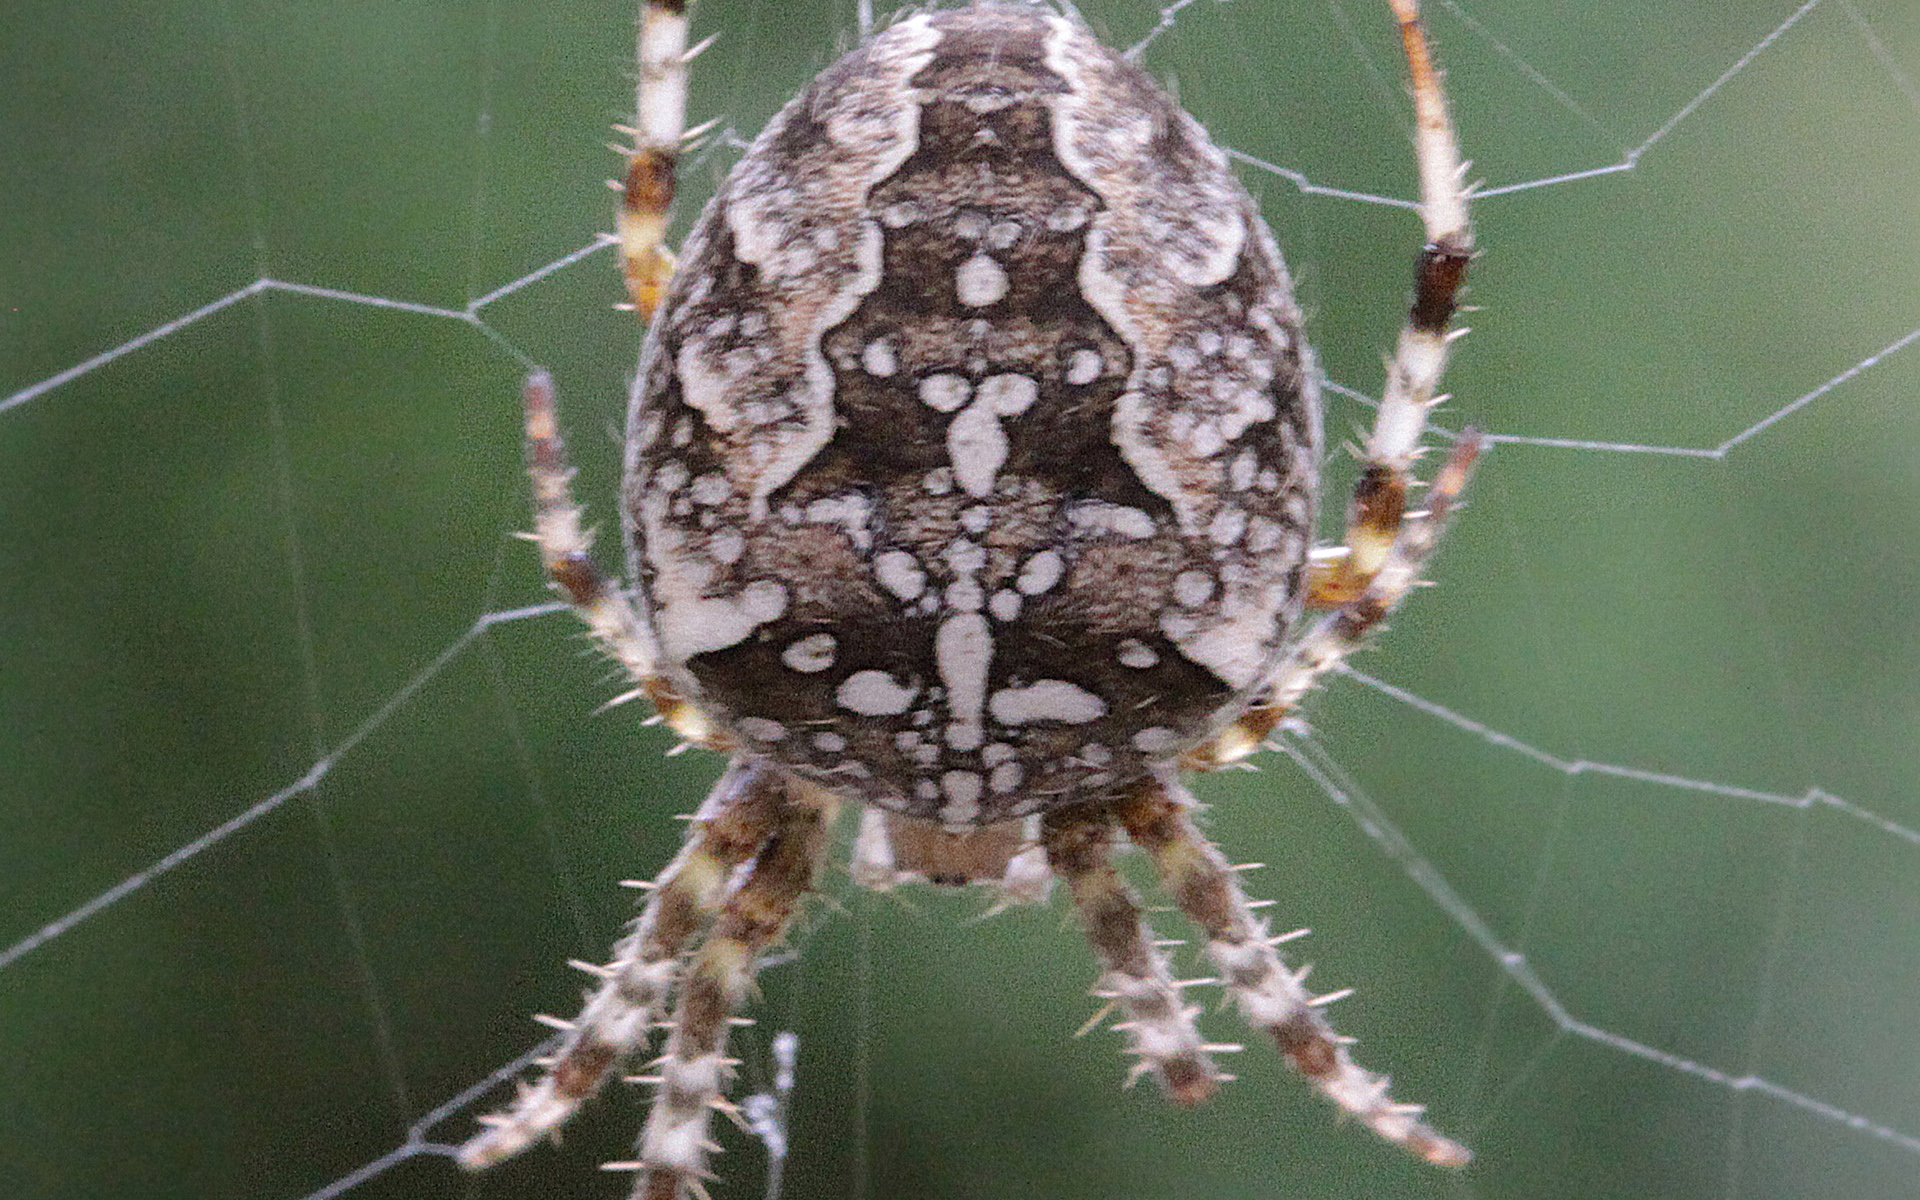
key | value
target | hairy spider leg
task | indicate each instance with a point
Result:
(659, 130)
(738, 817)
(690, 1079)
(1385, 547)
(1158, 1020)
(1271, 997)
(566, 551)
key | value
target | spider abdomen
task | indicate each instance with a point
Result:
(971, 458)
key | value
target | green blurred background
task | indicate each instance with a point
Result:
(224, 552)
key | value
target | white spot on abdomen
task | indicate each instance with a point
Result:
(711, 488)
(1240, 474)
(899, 572)
(1084, 366)
(962, 650)
(810, 654)
(962, 790)
(879, 359)
(1040, 572)
(1227, 526)
(760, 729)
(1192, 588)
(1008, 395)
(977, 448)
(850, 511)
(901, 213)
(980, 281)
(874, 694)
(1067, 218)
(1047, 700)
(727, 546)
(691, 624)
(1101, 516)
(944, 391)
(1155, 739)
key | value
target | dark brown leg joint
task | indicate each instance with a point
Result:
(1441, 274)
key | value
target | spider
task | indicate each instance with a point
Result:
(971, 475)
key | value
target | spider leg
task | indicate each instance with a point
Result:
(1413, 373)
(739, 816)
(1342, 631)
(566, 551)
(566, 548)
(660, 119)
(1269, 996)
(693, 1073)
(1159, 1022)
(1365, 580)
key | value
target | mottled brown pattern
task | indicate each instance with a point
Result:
(1139, 328)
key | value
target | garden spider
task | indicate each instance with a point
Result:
(970, 481)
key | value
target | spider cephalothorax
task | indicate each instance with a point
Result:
(970, 479)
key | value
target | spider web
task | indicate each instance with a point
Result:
(303, 804)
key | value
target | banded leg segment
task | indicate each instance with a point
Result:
(693, 1074)
(660, 119)
(1420, 357)
(1159, 1022)
(566, 548)
(1386, 545)
(1344, 630)
(566, 551)
(1270, 997)
(733, 823)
